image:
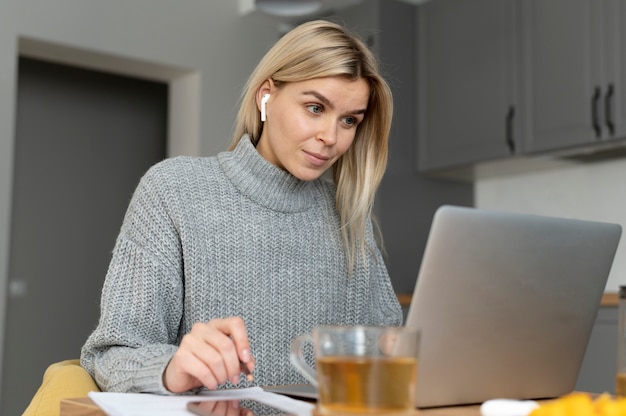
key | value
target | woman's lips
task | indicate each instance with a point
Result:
(316, 159)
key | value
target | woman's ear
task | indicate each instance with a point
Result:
(266, 88)
(263, 96)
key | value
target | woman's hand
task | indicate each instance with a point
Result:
(211, 354)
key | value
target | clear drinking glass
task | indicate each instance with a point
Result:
(361, 369)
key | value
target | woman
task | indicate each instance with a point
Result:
(221, 262)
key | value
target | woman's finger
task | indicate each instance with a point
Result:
(210, 354)
(236, 329)
(186, 371)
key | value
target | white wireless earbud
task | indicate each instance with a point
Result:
(263, 104)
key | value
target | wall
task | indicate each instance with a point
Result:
(173, 41)
(594, 191)
(407, 201)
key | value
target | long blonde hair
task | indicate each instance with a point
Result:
(319, 49)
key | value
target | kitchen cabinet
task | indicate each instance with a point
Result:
(616, 62)
(468, 82)
(573, 54)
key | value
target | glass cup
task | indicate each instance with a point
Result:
(371, 370)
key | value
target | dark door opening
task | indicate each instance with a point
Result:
(83, 140)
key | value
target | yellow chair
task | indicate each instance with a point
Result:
(62, 380)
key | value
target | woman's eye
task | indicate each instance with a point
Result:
(314, 108)
(350, 121)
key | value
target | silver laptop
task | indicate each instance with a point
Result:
(506, 303)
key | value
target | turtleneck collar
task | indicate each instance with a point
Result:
(263, 182)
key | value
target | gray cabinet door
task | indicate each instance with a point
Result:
(616, 66)
(467, 82)
(566, 72)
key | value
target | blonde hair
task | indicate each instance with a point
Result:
(319, 49)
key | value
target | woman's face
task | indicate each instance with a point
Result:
(310, 124)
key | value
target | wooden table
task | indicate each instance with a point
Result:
(86, 407)
(80, 407)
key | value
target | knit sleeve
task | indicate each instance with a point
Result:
(386, 308)
(141, 303)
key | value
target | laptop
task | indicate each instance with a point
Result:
(506, 303)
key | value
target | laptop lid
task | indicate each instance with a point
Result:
(506, 304)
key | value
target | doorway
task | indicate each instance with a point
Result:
(83, 140)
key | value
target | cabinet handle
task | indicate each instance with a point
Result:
(608, 111)
(510, 115)
(594, 112)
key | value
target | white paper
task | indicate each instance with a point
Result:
(140, 404)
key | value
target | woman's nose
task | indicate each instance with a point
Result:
(328, 133)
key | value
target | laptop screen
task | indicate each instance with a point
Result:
(506, 303)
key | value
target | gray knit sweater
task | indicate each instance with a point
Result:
(223, 236)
